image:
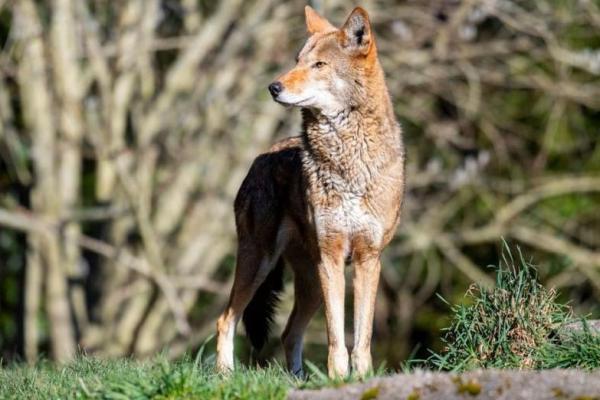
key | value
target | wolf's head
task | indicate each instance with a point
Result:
(335, 67)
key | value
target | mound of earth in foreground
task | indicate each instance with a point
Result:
(476, 385)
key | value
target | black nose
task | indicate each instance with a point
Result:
(275, 88)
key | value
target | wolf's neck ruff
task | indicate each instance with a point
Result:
(348, 149)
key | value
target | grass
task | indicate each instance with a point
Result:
(92, 378)
(517, 324)
(574, 350)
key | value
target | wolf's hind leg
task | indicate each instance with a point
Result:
(307, 300)
(252, 268)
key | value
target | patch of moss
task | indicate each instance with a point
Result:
(370, 393)
(414, 395)
(472, 386)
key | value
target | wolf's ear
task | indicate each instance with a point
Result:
(357, 36)
(315, 23)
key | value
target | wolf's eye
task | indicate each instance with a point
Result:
(319, 64)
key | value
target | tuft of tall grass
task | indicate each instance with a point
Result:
(514, 325)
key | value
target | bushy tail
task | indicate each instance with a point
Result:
(259, 313)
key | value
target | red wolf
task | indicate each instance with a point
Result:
(318, 200)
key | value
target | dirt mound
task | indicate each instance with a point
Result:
(480, 385)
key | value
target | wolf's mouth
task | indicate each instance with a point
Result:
(296, 103)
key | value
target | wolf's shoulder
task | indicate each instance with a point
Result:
(290, 143)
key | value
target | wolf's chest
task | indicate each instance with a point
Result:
(349, 216)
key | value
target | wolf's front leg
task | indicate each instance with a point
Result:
(366, 278)
(331, 276)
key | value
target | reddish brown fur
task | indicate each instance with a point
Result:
(294, 79)
(333, 193)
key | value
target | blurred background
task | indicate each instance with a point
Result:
(126, 128)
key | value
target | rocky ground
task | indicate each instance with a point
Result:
(561, 384)
(480, 385)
